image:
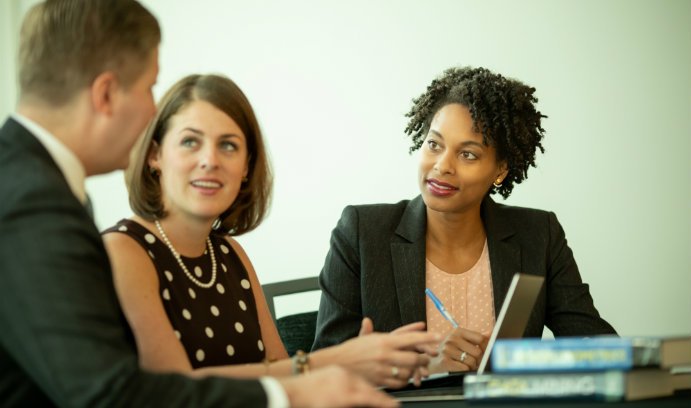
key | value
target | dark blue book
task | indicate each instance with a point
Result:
(589, 354)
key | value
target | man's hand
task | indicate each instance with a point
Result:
(333, 386)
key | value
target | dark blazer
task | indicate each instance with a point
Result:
(376, 268)
(63, 339)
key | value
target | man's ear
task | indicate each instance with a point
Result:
(103, 90)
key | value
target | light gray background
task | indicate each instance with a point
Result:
(331, 81)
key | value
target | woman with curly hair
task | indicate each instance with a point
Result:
(478, 133)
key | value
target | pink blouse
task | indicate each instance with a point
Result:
(467, 296)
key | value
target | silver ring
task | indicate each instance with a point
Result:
(463, 356)
(394, 371)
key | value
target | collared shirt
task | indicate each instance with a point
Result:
(68, 163)
(75, 174)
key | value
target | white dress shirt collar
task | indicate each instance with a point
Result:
(68, 163)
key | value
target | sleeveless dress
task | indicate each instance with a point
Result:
(218, 325)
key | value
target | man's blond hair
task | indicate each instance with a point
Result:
(65, 44)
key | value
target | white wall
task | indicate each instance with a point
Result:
(330, 82)
(10, 12)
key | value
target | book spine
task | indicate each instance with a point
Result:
(604, 385)
(562, 355)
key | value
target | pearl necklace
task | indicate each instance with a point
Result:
(182, 265)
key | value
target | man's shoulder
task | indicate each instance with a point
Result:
(23, 169)
(27, 173)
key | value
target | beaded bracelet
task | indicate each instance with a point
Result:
(301, 363)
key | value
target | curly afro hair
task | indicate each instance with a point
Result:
(503, 110)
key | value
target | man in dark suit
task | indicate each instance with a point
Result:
(86, 69)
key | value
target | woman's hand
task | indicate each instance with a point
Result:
(388, 359)
(420, 372)
(461, 350)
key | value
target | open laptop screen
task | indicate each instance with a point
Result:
(514, 313)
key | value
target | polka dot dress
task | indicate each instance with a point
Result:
(217, 325)
(468, 296)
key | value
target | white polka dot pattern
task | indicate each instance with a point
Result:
(200, 316)
(215, 311)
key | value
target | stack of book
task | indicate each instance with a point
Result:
(604, 368)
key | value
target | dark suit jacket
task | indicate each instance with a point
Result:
(63, 339)
(376, 268)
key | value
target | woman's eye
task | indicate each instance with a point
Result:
(468, 156)
(189, 142)
(228, 146)
(432, 145)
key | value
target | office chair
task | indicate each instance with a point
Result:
(297, 330)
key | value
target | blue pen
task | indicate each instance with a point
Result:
(441, 307)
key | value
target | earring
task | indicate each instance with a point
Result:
(497, 182)
(154, 171)
(245, 179)
(217, 224)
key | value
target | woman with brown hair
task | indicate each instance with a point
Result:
(198, 176)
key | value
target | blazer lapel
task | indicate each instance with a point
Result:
(504, 253)
(408, 257)
(408, 260)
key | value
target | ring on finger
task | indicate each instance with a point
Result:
(463, 356)
(394, 371)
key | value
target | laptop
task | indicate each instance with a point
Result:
(514, 313)
(511, 322)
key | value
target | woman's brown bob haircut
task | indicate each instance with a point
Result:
(252, 202)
